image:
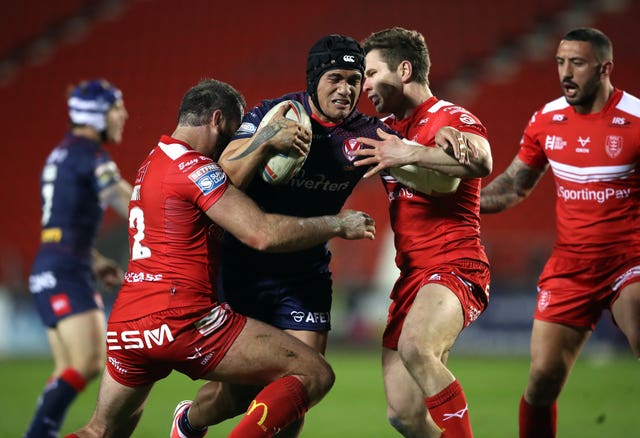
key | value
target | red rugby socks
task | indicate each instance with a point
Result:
(275, 407)
(449, 410)
(537, 421)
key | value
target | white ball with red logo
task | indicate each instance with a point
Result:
(430, 182)
(281, 167)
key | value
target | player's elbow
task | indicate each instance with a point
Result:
(486, 167)
(261, 240)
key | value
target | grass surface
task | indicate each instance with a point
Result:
(601, 398)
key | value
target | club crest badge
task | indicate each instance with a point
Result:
(613, 145)
(349, 146)
(544, 297)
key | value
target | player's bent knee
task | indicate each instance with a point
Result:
(319, 381)
(416, 353)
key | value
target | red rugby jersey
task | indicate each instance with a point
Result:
(594, 160)
(174, 246)
(434, 229)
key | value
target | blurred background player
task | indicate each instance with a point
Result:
(590, 138)
(444, 273)
(293, 291)
(167, 315)
(78, 180)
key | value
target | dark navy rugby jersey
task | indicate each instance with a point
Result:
(321, 187)
(73, 176)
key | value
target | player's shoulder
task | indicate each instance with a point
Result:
(554, 111)
(556, 105)
(182, 164)
(180, 156)
(443, 112)
(629, 104)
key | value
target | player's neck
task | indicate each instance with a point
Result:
(598, 103)
(87, 132)
(414, 95)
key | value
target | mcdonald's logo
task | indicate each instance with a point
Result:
(265, 411)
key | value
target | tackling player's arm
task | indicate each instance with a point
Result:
(391, 151)
(243, 157)
(510, 187)
(239, 215)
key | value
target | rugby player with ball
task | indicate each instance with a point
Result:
(291, 291)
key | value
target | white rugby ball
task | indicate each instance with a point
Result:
(281, 167)
(424, 180)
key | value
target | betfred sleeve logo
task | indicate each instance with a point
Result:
(208, 178)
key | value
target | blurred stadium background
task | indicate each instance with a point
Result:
(496, 58)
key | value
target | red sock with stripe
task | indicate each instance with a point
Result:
(449, 410)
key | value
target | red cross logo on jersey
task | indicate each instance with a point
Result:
(349, 146)
(613, 145)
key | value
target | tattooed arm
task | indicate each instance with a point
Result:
(510, 187)
(242, 157)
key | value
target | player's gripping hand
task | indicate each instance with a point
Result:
(455, 142)
(282, 134)
(356, 225)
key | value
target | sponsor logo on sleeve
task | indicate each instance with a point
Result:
(141, 173)
(208, 178)
(467, 119)
(247, 128)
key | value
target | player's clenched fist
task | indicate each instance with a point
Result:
(356, 225)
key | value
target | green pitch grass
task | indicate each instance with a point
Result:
(601, 398)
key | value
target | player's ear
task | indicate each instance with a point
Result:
(405, 70)
(217, 120)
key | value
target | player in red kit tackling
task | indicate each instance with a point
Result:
(590, 139)
(444, 273)
(167, 315)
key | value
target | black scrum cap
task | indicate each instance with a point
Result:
(329, 53)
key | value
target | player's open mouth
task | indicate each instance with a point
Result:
(570, 90)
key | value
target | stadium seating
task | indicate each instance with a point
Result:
(155, 49)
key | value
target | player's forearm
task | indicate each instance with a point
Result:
(438, 159)
(286, 233)
(510, 187)
(242, 158)
(498, 195)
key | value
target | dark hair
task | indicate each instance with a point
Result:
(396, 45)
(199, 103)
(600, 42)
